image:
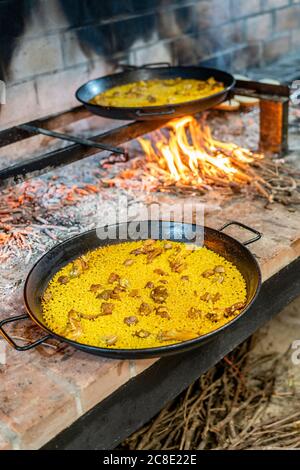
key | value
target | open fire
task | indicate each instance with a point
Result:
(186, 157)
(182, 158)
(191, 156)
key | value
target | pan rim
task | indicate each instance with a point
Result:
(176, 106)
(142, 352)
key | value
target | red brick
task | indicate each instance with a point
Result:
(90, 378)
(287, 18)
(282, 256)
(259, 27)
(34, 406)
(245, 8)
(276, 47)
(93, 377)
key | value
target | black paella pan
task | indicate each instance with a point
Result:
(61, 254)
(92, 88)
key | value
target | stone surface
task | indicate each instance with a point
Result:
(56, 86)
(4, 443)
(246, 56)
(72, 51)
(210, 13)
(269, 4)
(296, 38)
(49, 39)
(155, 53)
(285, 69)
(231, 34)
(242, 8)
(92, 377)
(33, 406)
(43, 54)
(259, 27)
(287, 18)
(276, 47)
(20, 99)
(44, 19)
(278, 246)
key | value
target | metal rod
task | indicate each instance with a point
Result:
(42, 164)
(71, 138)
(56, 121)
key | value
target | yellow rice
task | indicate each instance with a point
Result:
(59, 299)
(157, 92)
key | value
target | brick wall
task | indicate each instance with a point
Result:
(49, 47)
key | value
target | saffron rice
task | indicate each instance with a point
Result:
(143, 294)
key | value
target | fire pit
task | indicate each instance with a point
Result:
(187, 159)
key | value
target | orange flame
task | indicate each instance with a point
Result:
(192, 155)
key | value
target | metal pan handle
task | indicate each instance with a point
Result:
(11, 341)
(141, 113)
(258, 235)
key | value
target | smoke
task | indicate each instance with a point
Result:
(103, 39)
(97, 34)
(13, 16)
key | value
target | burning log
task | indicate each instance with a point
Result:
(183, 158)
(191, 160)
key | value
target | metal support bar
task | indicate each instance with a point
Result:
(34, 167)
(15, 134)
(71, 138)
(246, 86)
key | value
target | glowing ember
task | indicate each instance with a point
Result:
(191, 156)
(26, 208)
